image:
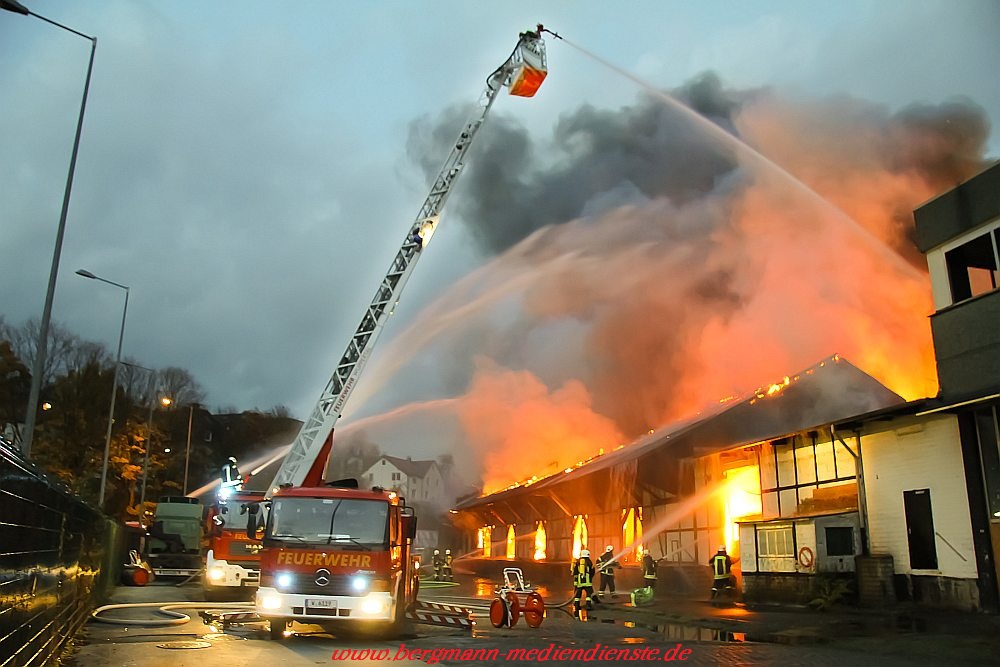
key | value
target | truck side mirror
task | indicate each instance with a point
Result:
(252, 509)
(410, 523)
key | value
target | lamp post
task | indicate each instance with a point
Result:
(38, 368)
(114, 386)
(149, 443)
(187, 455)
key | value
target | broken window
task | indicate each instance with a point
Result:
(972, 267)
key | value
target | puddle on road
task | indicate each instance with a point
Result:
(690, 633)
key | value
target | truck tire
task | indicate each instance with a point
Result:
(276, 628)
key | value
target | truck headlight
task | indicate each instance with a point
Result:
(372, 605)
(359, 583)
(283, 580)
(216, 574)
(270, 601)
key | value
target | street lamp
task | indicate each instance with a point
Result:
(149, 442)
(187, 454)
(43, 331)
(114, 386)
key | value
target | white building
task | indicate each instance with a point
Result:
(416, 481)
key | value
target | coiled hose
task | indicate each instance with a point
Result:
(165, 608)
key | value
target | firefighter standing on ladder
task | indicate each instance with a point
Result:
(231, 480)
(583, 581)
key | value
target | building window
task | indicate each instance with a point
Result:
(632, 534)
(806, 475)
(775, 542)
(972, 267)
(579, 535)
(540, 541)
(839, 541)
(396, 476)
(511, 542)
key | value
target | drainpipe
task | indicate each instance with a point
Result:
(859, 475)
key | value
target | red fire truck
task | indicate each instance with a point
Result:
(333, 553)
(336, 553)
(232, 563)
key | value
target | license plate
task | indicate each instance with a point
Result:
(321, 604)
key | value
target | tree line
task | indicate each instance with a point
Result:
(71, 427)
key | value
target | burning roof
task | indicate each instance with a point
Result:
(829, 392)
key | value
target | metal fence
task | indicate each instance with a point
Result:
(56, 562)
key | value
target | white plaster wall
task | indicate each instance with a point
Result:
(919, 453)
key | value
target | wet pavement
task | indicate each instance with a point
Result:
(692, 631)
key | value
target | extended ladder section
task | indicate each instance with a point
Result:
(522, 73)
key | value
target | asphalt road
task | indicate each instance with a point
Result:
(561, 639)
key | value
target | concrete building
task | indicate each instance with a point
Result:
(959, 232)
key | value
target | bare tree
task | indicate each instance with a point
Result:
(180, 386)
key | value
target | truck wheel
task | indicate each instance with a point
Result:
(277, 627)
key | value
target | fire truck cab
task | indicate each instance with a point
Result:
(232, 562)
(335, 555)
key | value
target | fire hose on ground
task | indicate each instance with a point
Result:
(165, 608)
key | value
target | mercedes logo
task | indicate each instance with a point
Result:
(322, 577)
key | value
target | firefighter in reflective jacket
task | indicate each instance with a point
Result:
(722, 566)
(447, 565)
(648, 571)
(231, 480)
(583, 580)
(607, 569)
(438, 563)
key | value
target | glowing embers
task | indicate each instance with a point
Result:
(511, 542)
(579, 535)
(632, 533)
(742, 499)
(484, 541)
(540, 541)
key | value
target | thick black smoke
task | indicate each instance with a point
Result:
(514, 187)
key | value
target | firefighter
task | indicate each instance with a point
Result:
(607, 568)
(447, 565)
(231, 480)
(648, 571)
(438, 563)
(582, 570)
(722, 568)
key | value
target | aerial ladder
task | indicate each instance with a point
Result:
(522, 73)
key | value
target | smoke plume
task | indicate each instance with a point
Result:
(638, 268)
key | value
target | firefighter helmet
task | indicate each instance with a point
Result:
(609, 548)
(437, 552)
(585, 553)
(722, 547)
(232, 459)
(447, 551)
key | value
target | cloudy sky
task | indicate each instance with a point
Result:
(249, 169)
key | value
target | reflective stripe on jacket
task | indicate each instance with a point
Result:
(720, 566)
(583, 573)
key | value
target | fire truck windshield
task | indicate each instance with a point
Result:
(341, 521)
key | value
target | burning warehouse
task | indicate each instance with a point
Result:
(681, 491)
(826, 472)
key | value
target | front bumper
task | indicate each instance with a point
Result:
(223, 574)
(375, 606)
